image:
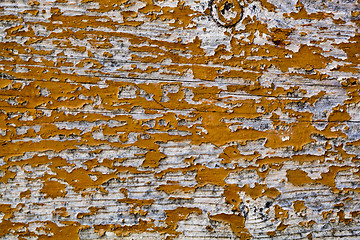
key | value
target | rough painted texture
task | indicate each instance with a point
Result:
(186, 119)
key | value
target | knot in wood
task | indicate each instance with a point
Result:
(226, 12)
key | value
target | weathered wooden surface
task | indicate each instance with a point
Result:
(186, 119)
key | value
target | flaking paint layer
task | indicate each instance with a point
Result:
(160, 120)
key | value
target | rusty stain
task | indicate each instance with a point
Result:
(226, 12)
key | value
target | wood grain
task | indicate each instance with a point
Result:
(207, 119)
